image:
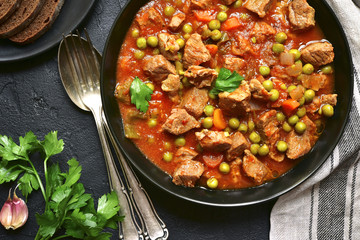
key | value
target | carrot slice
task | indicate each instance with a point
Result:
(212, 48)
(219, 120)
(212, 161)
(203, 16)
(230, 24)
(289, 106)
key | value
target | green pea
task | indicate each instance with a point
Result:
(300, 127)
(327, 110)
(169, 11)
(209, 110)
(286, 126)
(180, 142)
(254, 137)
(327, 69)
(141, 43)
(264, 150)
(253, 40)
(222, 16)
(238, 4)
(308, 69)
(234, 123)
(264, 70)
(251, 125)
(207, 122)
(254, 148)
(301, 100)
(152, 41)
(243, 128)
(227, 130)
(167, 145)
(309, 95)
(216, 35)
(281, 146)
(290, 88)
(296, 53)
(211, 95)
(167, 156)
(187, 35)
(152, 122)
(151, 86)
(156, 51)
(187, 28)
(268, 85)
(181, 42)
(139, 54)
(301, 112)
(212, 183)
(224, 167)
(135, 33)
(280, 117)
(278, 48)
(280, 37)
(274, 95)
(283, 86)
(293, 120)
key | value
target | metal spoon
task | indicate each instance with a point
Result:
(137, 198)
(357, 2)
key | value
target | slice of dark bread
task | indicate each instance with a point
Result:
(21, 18)
(41, 24)
(8, 7)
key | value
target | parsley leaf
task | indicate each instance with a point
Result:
(52, 145)
(226, 81)
(140, 94)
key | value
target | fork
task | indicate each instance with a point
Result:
(86, 71)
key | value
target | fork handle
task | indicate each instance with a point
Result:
(154, 226)
(129, 227)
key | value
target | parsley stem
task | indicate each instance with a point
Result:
(63, 236)
(46, 181)
(37, 178)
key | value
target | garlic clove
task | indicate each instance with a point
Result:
(14, 213)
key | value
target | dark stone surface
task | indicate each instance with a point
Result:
(33, 98)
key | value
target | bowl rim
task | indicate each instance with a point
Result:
(222, 204)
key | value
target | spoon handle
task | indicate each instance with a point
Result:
(129, 227)
(154, 226)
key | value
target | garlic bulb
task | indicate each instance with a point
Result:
(14, 213)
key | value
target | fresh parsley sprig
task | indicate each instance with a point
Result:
(140, 94)
(67, 206)
(226, 81)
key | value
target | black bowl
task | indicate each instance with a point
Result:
(327, 20)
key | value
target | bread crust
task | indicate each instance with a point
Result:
(8, 9)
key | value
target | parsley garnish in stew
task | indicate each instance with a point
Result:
(226, 81)
(140, 94)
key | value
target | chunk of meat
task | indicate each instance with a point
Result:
(314, 81)
(202, 4)
(213, 140)
(195, 51)
(239, 144)
(194, 101)
(258, 6)
(149, 18)
(228, 2)
(187, 173)
(241, 46)
(201, 76)
(122, 91)
(172, 85)
(176, 21)
(318, 53)
(254, 168)
(184, 154)
(274, 153)
(301, 15)
(168, 46)
(237, 102)
(262, 31)
(235, 174)
(329, 99)
(299, 145)
(258, 91)
(158, 68)
(235, 64)
(180, 122)
(267, 124)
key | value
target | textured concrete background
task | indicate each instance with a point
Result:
(33, 98)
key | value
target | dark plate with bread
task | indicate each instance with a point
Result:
(30, 27)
